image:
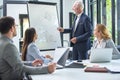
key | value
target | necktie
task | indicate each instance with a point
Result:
(75, 25)
(76, 22)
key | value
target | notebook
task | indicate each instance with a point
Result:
(95, 69)
(101, 55)
(60, 57)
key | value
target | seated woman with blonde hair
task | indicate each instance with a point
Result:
(30, 51)
(104, 40)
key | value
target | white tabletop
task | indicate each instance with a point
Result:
(76, 74)
(79, 74)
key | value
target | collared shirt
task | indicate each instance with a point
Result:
(99, 43)
(77, 20)
(33, 53)
(10, 40)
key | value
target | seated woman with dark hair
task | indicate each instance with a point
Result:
(30, 51)
(103, 40)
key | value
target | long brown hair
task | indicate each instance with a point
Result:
(28, 38)
(105, 34)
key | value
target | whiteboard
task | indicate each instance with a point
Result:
(44, 18)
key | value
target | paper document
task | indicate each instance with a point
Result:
(114, 69)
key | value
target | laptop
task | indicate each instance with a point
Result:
(60, 57)
(101, 55)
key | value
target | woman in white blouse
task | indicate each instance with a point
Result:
(104, 40)
(30, 51)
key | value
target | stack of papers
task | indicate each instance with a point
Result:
(114, 69)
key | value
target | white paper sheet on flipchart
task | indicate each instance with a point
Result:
(58, 53)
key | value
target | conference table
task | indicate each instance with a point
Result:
(80, 74)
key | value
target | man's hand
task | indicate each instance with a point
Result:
(60, 29)
(37, 62)
(74, 40)
(51, 67)
(48, 56)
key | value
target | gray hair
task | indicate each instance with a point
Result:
(80, 2)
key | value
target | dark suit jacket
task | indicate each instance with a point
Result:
(82, 33)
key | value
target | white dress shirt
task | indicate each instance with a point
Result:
(77, 20)
(99, 43)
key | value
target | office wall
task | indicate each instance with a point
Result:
(1, 12)
(67, 8)
(14, 10)
(1, 8)
(18, 0)
(1, 2)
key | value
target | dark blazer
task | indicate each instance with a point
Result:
(82, 33)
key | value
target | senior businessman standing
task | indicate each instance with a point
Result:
(81, 31)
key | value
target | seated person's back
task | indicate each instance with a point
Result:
(30, 51)
(34, 53)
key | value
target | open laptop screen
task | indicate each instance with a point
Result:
(101, 55)
(61, 55)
